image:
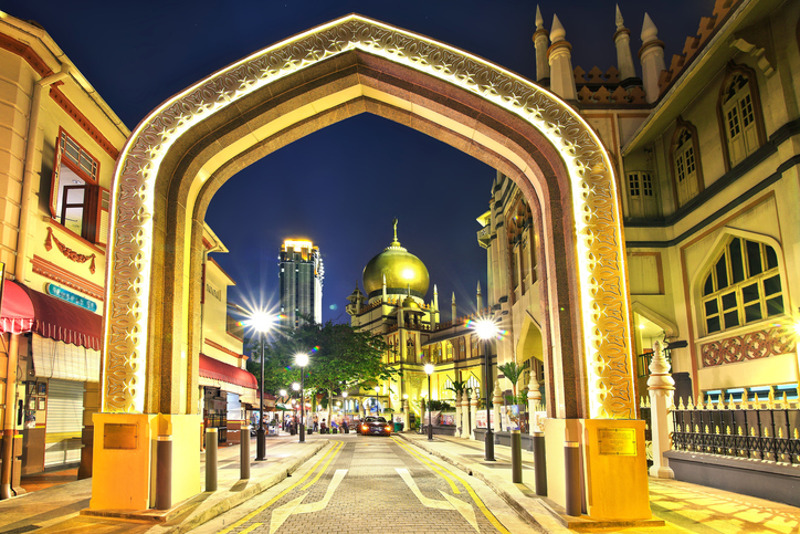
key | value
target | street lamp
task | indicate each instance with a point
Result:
(301, 359)
(377, 408)
(261, 322)
(429, 371)
(486, 329)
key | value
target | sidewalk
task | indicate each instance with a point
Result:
(680, 506)
(58, 508)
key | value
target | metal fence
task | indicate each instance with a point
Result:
(756, 429)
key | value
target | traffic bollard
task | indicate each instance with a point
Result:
(164, 473)
(540, 463)
(573, 476)
(516, 457)
(244, 453)
(211, 459)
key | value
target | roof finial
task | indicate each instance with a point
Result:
(618, 19)
(539, 19)
(394, 223)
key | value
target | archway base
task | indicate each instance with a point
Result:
(125, 459)
(613, 464)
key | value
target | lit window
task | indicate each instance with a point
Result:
(76, 201)
(739, 116)
(742, 286)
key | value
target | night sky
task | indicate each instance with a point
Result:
(342, 186)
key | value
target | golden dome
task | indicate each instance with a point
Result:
(403, 272)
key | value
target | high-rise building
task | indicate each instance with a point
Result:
(301, 277)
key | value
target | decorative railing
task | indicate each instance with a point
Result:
(756, 429)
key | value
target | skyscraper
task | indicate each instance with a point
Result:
(301, 277)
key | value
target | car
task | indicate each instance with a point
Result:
(375, 425)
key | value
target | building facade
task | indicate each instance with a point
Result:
(301, 276)
(706, 153)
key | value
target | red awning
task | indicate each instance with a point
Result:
(211, 368)
(16, 313)
(65, 322)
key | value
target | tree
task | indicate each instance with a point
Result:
(459, 387)
(513, 372)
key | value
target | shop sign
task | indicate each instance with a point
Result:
(68, 296)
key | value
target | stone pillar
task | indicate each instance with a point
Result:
(534, 399)
(458, 416)
(622, 41)
(651, 55)
(473, 412)
(540, 41)
(662, 388)
(497, 402)
(465, 422)
(406, 417)
(559, 55)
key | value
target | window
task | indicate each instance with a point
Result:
(685, 165)
(77, 202)
(742, 286)
(739, 118)
(641, 194)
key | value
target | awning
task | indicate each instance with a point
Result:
(65, 322)
(16, 312)
(217, 370)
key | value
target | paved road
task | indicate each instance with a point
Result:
(366, 484)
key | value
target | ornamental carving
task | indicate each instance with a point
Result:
(750, 346)
(595, 204)
(67, 252)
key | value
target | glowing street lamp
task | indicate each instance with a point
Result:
(262, 323)
(429, 371)
(282, 393)
(486, 329)
(301, 359)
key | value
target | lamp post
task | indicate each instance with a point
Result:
(486, 329)
(377, 408)
(295, 387)
(301, 359)
(282, 393)
(429, 371)
(261, 322)
(344, 397)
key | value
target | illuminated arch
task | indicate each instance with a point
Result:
(181, 153)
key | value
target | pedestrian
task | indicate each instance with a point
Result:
(345, 428)
(316, 424)
(323, 428)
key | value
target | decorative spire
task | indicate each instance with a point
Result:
(539, 19)
(541, 43)
(619, 20)
(557, 31)
(395, 242)
(651, 55)
(479, 298)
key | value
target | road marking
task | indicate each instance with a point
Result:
(431, 465)
(324, 468)
(451, 503)
(251, 527)
(478, 502)
(333, 451)
(282, 513)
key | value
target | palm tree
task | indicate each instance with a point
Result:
(458, 387)
(513, 372)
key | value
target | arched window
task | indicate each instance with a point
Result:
(742, 286)
(686, 164)
(740, 116)
(474, 385)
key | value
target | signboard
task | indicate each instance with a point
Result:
(120, 436)
(616, 441)
(68, 296)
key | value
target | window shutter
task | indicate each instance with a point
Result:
(101, 237)
(54, 183)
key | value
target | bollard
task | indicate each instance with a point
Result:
(244, 453)
(164, 473)
(211, 459)
(573, 476)
(539, 463)
(516, 457)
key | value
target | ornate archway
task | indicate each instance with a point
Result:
(180, 154)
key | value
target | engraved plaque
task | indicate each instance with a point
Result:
(120, 436)
(616, 441)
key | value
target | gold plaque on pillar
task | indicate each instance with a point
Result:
(120, 436)
(616, 441)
